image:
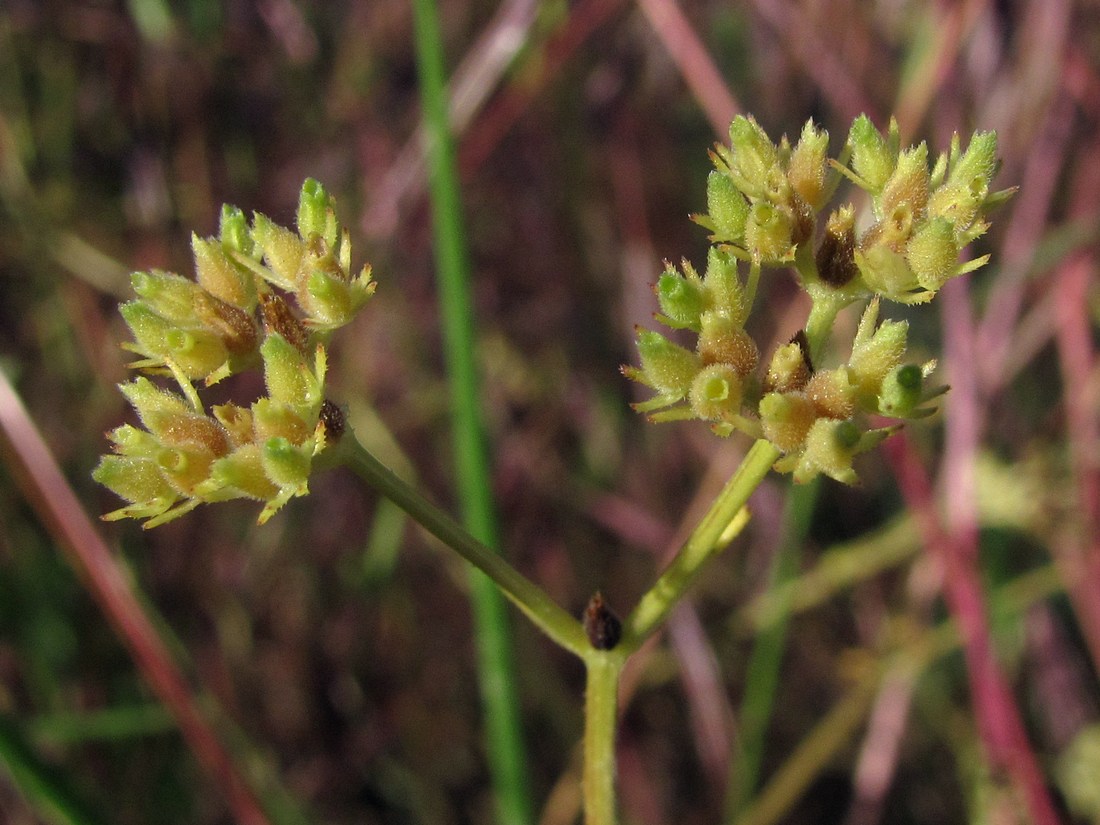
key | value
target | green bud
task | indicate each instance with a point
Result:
(786, 417)
(716, 393)
(289, 378)
(933, 254)
(830, 447)
(977, 166)
(138, 481)
(724, 341)
(282, 251)
(317, 213)
(901, 391)
(754, 155)
(887, 273)
(875, 352)
(908, 184)
(768, 234)
(270, 419)
(170, 296)
(156, 408)
(243, 473)
(790, 368)
(873, 158)
(682, 300)
(219, 276)
(234, 234)
(722, 282)
(198, 352)
(832, 393)
(727, 208)
(808, 165)
(286, 464)
(667, 367)
(327, 300)
(131, 441)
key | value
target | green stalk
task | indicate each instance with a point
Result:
(762, 674)
(601, 698)
(546, 614)
(703, 544)
(496, 658)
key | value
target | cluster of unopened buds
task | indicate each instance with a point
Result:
(765, 203)
(234, 317)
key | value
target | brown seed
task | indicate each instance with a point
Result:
(333, 419)
(601, 625)
(277, 317)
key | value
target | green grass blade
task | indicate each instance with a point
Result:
(495, 653)
(45, 788)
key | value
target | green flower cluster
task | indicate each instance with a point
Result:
(766, 207)
(234, 317)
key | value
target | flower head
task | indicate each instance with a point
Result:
(233, 317)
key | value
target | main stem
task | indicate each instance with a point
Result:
(601, 699)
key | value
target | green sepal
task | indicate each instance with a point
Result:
(290, 379)
(666, 367)
(682, 299)
(282, 252)
(220, 276)
(727, 209)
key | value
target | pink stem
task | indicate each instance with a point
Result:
(999, 722)
(47, 490)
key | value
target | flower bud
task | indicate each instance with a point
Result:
(716, 393)
(242, 474)
(754, 155)
(681, 299)
(832, 393)
(830, 447)
(170, 296)
(234, 234)
(786, 418)
(155, 407)
(722, 282)
(790, 367)
(875, 352)
(286, 464)
(667, 367)
(138, 481)
(317, 214)
(727, 208)
(807, 167)
(901, 391)
(282, 251)
(270, 419)
(289, 378)
(768, 234)
(222, 278)
(199, 353)
(933, 254)
(873, 157)
(908, 184)
(835, 256)
(723, 341)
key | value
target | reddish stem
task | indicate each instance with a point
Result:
(999, 721)
(44, 486)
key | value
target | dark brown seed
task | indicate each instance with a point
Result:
(601, 625)
(333, 419)
(836, 263)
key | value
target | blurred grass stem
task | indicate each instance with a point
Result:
(496, 657)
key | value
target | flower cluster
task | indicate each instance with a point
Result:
(234, 317)
(765, 208)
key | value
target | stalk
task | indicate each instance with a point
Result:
(496, 658)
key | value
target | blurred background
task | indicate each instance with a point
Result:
(334, 644)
